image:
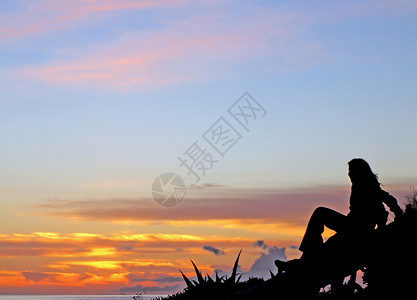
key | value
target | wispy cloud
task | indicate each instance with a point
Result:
(249, 210)
(194, 47)
(46, 16)
(283, 207)
(162, 57)
(205, 186)
(191, 48)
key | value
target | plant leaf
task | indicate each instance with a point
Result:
(209, 279)
(197, 271)
(187, 281)
(233, 276)
(218, 279)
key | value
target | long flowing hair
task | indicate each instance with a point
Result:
(364, 176)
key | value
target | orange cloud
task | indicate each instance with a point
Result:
(114, 264)
(86, 261)
(111, 245)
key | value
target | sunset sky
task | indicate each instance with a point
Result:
(98, 98)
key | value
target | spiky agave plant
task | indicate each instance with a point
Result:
(209, 288)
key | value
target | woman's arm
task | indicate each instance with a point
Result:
(392, 203)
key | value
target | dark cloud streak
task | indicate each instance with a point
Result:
(260, 244)
(213, 250)
(36, 276)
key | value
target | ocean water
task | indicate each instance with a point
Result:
(76, 297)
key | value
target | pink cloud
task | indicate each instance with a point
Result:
(184, 50)
(195, 47)
(238, 206)
(245, 206)
(54, 15)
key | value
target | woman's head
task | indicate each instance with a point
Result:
(361, 173)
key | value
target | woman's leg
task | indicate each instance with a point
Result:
(321, 217)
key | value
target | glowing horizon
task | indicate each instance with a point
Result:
(100, 98)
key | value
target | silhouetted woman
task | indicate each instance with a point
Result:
(366, 212)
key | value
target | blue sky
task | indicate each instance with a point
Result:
(338, 81)
(97, 98)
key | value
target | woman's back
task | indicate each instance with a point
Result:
(366, 206)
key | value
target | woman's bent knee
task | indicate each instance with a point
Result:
(321, 211)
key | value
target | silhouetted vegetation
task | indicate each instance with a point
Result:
(392, 265)
(387, 259)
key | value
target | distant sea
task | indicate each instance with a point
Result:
(76, 297)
